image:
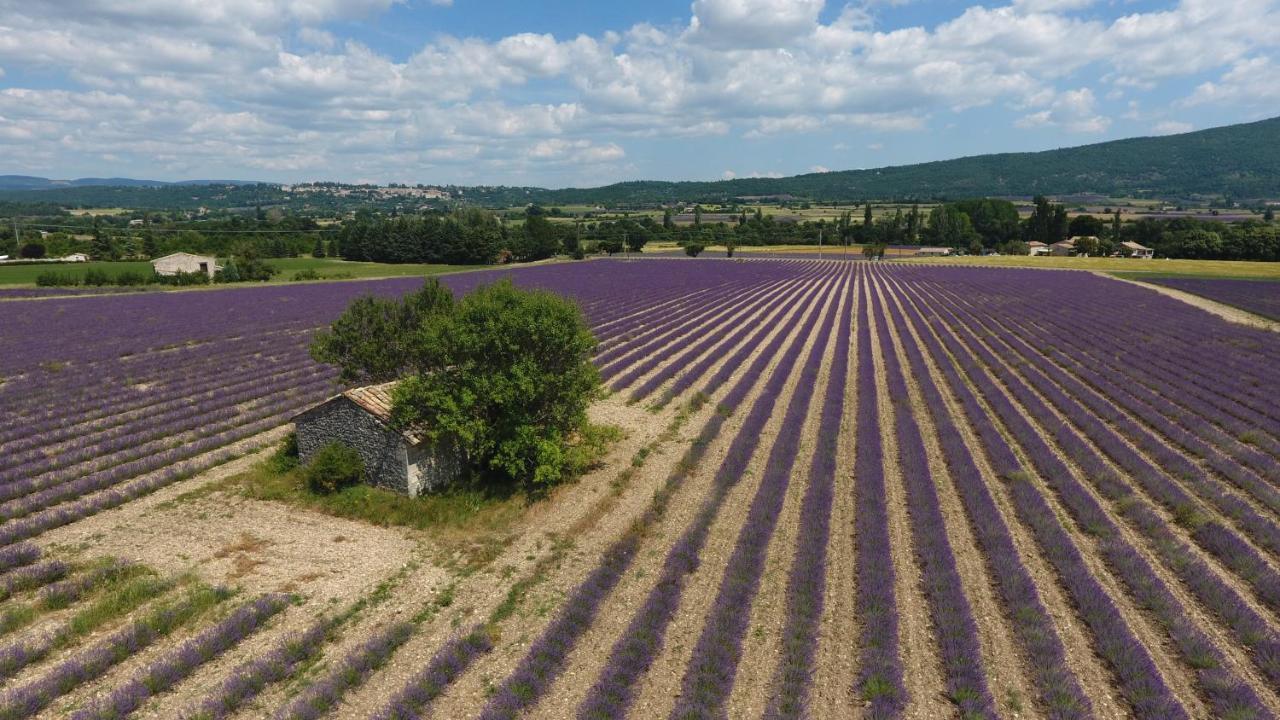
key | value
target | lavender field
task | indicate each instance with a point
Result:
(847, 489)
(1260, 297)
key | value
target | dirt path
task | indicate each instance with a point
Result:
(660, 687)
(556, 543)
(1005, 669)
(1175, 673)
(1229, 313)
(1204, 503)
(762, 644)
(922, 671)
(585, 665)
(1093, 676)
(835, 663)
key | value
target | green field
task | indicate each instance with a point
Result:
(1126, 266)
(328, 268)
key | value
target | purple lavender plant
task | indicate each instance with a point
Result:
(453, 659)
(352, 670)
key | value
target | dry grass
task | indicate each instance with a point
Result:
(1124, 266)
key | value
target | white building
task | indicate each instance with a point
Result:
(76, 257)
(183, 262)
(1035, 247)
(1134, 250)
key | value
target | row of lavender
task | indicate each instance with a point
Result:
(1028, 390)
(1009, 420)
(1261, 297)
(67, 627)
(663, 325)
(44, 490)
(1010, 414)
(79, 422)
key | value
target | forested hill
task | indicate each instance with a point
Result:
(1240, 161)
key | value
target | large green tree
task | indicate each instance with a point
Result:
(378, 339)
(507, 378)
(503, 376)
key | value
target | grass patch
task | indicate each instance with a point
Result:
(470, 505)
(471, 521)
(17, 617)
(323, 268)
(463, 508)
(1127, 267)
(115, 603)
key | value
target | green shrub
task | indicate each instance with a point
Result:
(229, 272)
(693, 249)
(332, 468)
(286, 456)
(130, 278)
(306, 275)
(96, 278)
(53, 279)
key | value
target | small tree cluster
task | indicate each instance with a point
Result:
(503, 376)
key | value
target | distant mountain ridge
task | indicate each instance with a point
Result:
(1241, 161)
(1238, 161)
(30, 182)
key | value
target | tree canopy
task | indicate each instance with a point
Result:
(503, 376)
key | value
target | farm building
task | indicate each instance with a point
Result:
(1134, 250)
(183, 262)
(1035, 247)
(933, 252)
(361, 419)
(76, 257)
(1064, 248)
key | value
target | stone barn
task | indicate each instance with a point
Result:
(361, 419)
(185, 262)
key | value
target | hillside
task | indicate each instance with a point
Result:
(1242, 161)
(30, 182)
(1238, 161)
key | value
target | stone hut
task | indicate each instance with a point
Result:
(186, 263)
(361, 419)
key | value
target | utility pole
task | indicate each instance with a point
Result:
(819, 244)
(17, 239)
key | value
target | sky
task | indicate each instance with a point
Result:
(556, 93)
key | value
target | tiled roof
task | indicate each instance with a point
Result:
(376, 400)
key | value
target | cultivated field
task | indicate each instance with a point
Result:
(846, 490)
(23, 274)
(1259, 297)
(1139, 269)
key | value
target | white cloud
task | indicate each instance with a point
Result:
(1249, 83)
(741, 24)
(1172, 127)
(184, 83)
(1040, 6)
(1074, 110)
(577, 151)
(317, 38)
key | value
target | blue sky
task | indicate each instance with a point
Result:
(586, 93)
